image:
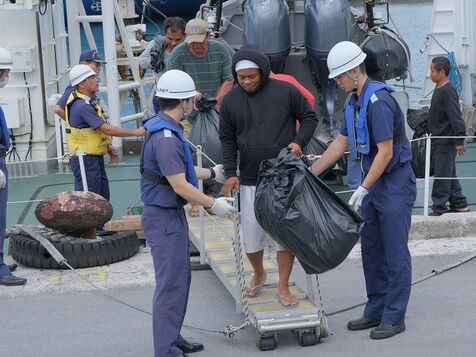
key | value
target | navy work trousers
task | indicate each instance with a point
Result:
(446, 191)
(3, 217)
(96, 176)
(386, 259)
(166, 232)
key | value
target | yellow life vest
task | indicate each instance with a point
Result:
(92, 142)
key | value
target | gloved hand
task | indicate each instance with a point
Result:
(219, 175)
(222, 206)
(3, 179)
(356, 200)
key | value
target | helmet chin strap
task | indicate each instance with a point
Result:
(354, 79)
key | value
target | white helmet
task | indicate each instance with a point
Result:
(343, 57)
(6, 61)
(79, 73)
(175, 84)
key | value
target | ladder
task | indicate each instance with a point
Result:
(112, 18)
(452, 29)
(217, 240)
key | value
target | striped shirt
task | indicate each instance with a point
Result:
(208, 72)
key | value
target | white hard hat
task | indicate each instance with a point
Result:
(79, 73)
(175, 84)
(6, 61)
(343, 57)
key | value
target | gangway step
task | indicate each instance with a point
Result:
(214, 237)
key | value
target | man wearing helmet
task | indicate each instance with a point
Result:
(87, 130)
(169, 180)
(374, 131)
(6, 277)
(87, 57)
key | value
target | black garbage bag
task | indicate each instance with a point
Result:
(417, 119)
(304, 215)
(317, 147)
(418, 158)
(205, 131)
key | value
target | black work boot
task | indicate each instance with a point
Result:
(12, 280)
(362, 324)
(189, 347)
(385, 330)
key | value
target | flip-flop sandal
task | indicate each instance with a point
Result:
(290, 301)
(459, 210)
(254, 288)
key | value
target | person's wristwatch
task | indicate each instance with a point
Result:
(212, 173)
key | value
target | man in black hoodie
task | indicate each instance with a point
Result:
(257, 120)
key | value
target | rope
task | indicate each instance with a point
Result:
(433, 273)
(455, 75)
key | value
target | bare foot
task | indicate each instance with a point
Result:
(256, 283)
(286, 298)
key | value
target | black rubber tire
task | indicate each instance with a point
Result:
(112, 248)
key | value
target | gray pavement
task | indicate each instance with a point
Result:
(58, 315)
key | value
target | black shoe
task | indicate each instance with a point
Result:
(362, 324)
(385, 330)
(189, 347)
(435, 214)
(12, 280)
(12, 267)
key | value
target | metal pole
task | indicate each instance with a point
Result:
(74, 30)
(109, 33)
(61, 45)
(310, 287)
(427, 175)
(80, 155)
(134, 64)
(201, 215)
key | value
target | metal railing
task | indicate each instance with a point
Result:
(427, 178)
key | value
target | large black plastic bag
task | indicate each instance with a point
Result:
(317, 147)
(417, 119)
(304, 215)
(205, 131)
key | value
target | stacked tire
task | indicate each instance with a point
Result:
(79, 254)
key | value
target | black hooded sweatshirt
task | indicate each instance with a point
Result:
(258, 125)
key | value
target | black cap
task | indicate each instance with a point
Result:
(90, 56)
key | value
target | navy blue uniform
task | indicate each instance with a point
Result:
(166, 231)
(4, 146)
(387, 210)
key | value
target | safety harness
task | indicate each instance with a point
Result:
(356, 120)
(92, 142)
(155, 125)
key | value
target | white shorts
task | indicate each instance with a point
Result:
(252, 235)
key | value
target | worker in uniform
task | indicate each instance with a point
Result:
(373, 130)
(87, 130)
(169, 180)
(6, 276)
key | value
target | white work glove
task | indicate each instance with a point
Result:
(222, 206)
(219, 175)
(3, 179)
(356, 200)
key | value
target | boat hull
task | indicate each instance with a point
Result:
(168, 7)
